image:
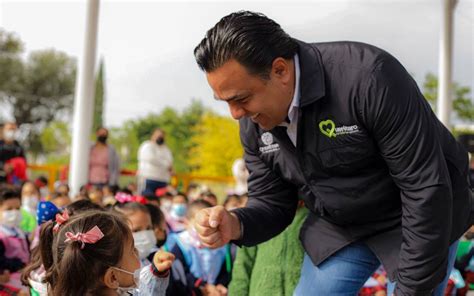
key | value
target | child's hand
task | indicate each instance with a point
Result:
(221, 289)
(211, 290)
(382, 280)
(163, 260)
(5, 277)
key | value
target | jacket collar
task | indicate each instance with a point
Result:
(312, 85)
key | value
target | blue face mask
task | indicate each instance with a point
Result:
(179, 210)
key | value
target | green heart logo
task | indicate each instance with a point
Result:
(328, 127)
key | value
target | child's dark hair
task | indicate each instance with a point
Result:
(231, 197)
(196, 206)
(208, 195)
(82, 205)
(77, 207)
(167, 194)
(8, 193)
(157, 217)
(126, 190)
(42, 179)
(75, 271)
(150, 197)
(112, 188)
(130, 207)
(183, 195)
(55, 195)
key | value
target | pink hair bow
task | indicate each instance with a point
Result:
(90, 237)
(60, 220)
(122, 197)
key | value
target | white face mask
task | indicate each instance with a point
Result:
(136, 280)
(11, 218)
(145, 240)
(29, 203)
(9, 135)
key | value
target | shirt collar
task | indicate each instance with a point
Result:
(295, 102)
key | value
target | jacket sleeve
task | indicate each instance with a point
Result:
(151, 284)
(406, 132)
(242, 272)
(272, 202)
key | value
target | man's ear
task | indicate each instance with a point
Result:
(110, 279)
(282, 69)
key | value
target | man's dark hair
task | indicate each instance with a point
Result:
(251, 38)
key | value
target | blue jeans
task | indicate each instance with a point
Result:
(439, 291)
(152, 185)
(346, 271)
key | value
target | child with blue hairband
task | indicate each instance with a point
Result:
(33, 274)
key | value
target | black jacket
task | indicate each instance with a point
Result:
(372, 162)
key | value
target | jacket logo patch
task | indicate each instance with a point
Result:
(329, 129)
(267, 139)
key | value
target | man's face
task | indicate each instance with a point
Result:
(265, 102)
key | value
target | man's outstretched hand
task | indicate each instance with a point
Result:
(216, 226)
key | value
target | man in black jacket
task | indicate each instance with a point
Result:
(343, 126)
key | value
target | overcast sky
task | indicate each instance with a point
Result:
(147, 45)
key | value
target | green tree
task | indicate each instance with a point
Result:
(99, 98)
(45, 93)
(462, 103)
(55, 141)
(216, 145)
(39, 89)
(11, 66)
(179, 129)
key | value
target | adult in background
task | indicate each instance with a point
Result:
(155, 163)
(344, 126)
(104, 162)
(240, 174)
(12, 156)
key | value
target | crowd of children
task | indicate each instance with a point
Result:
(108, 241)
(111, 241)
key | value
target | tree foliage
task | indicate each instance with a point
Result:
(11, 65)
(47, 87)
(462, 103)
(178, 127)
(39, 89)
(99, 101)
(56, 141)
(216, 145)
